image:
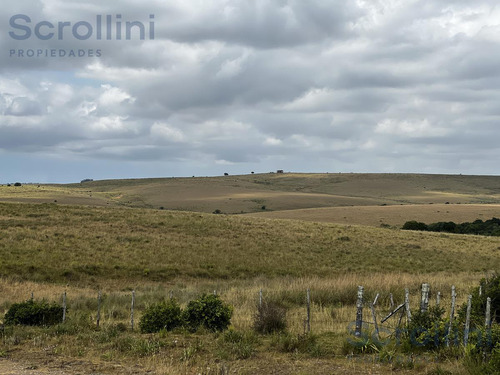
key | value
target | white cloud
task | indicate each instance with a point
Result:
(258, 81)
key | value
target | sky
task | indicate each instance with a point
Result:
(215, 86)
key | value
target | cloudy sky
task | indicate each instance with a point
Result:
(249, 85)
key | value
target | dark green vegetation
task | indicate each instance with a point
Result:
(484, 228)
(165, 315)
(207, 311)
(34, 313)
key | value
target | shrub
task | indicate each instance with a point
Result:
(164, 315)
(18, 184)
(490, 288)
(270, 317)
(207, 311)
(34, 313)
(414, 225)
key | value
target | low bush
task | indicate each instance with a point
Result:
(207, 311)
(164, 315)
(34, 313)
(270, 317)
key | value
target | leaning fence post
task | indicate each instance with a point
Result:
(452, 314)
(407, 305)
(308, 322)
(424, 302)
(359, 312)
(132, 311)
(98, 308)
(467, 320)
(374, 316)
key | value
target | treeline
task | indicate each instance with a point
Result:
(484, 228)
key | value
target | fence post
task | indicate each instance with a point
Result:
(98, 308)
(359, 312)
(171, 294)
(308, 322)
(467, 320)
(407, 305)
(32, 296)
(392, 301)
(438, 299)
(374, 316)
(64, 307)
(487, 322)
(132, 311)
(452, 314)
(424, 302)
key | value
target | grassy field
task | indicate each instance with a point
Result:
(275, 192)
(395, 215)
(49, 248)
(159, 236)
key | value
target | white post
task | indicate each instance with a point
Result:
(359, 312)
(424, 302)
(64, 307)
(407, 305)
(467, 320)
(452, 314)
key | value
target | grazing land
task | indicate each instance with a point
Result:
(112, 236)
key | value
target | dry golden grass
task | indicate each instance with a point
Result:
(389, 215)
(277, 192)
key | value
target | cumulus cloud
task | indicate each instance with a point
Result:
(351, 85)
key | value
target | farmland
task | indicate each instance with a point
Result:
(112, 236)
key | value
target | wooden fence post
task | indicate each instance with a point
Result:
(438, 299)
(452, 314)
(374, 316)
(407, 305)
(32, 296)
(424, 302)
(64, 307)
(467, 320)
(308, 322)
(98, 319)
(392, 301)
(132, 311)
(359, 312)
(487, 321)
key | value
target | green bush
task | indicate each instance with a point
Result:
(164, 315)
(34, 313)
(414, 225)
(207, 311)
(490, 287)
(270, 317)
